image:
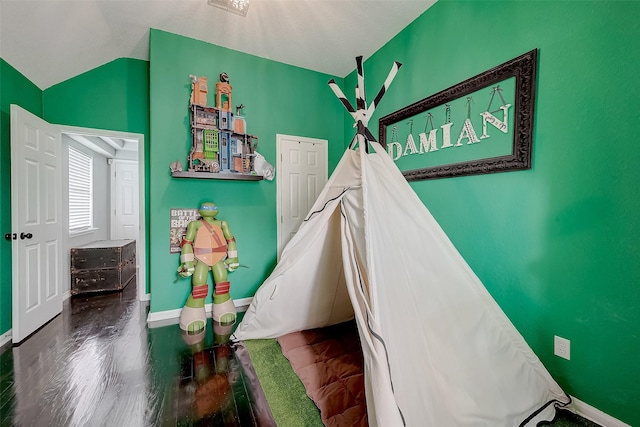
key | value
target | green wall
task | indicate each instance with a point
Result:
(279, 99)
(114, 96)
(556, 245)
(14, 89)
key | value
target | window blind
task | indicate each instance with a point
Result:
(80, 191)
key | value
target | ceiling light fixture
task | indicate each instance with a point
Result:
(239, 7)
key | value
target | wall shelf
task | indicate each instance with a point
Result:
(217, 175)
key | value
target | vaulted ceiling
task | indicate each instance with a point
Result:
(50, 41)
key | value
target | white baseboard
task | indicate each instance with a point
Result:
(243, 303)
(170, 317)
(6, 337)
(163, 318)
(597, 416)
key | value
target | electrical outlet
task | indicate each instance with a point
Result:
(562, 347)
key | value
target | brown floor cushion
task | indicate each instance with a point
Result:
(329, 364)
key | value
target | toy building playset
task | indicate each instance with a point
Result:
(220, 146)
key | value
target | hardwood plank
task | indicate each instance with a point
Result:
(99, 364)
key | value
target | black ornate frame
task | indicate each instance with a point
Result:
(524, 69)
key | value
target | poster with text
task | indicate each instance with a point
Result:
(179, 220)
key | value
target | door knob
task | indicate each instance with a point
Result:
(25, 236)
(10, 236)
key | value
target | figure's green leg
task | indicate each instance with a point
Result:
(222, 333)
(224, 310)
(193, 317)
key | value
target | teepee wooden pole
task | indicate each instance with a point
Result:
(361, 98)
(392, 74)
(363, 114)
(336, 90)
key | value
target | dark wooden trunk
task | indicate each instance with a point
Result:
(102, 266)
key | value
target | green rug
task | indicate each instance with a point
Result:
(290, 405)
(283, 389)
(566, 418)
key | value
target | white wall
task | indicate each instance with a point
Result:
(101, 208)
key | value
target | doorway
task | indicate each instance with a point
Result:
(123, 200)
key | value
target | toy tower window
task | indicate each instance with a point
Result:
(211, 147)
(223, 96)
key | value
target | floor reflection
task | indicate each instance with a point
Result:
(208, 378)
(99, 364)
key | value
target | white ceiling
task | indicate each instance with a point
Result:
(50, 41)
(108, 146)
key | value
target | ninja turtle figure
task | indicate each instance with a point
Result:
(208, 245)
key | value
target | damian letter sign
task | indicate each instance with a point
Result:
(482, 125)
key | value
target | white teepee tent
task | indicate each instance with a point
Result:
(438, 350)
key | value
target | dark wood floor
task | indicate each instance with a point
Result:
(98, 364)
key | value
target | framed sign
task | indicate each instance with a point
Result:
(481, 125)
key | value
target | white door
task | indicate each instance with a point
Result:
(302, 174)
(124, 190)
(36, 218)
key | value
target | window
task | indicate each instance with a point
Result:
(80, 191)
